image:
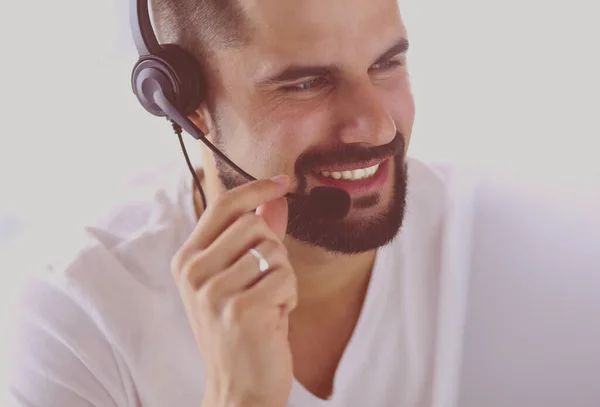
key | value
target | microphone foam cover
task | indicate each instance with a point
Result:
(329, 202)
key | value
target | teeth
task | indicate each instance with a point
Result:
(361, 173)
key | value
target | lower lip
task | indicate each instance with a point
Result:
(358, 187)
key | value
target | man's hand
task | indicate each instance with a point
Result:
(239, 315)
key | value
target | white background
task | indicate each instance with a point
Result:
(510, 86)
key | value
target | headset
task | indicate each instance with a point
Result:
(168, 82)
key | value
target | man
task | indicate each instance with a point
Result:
(168, 303)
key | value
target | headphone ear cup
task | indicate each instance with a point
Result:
(176, 73)
(188, 75)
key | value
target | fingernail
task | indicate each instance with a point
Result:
(281, 179)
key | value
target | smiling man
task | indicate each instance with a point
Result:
(255, 301)
(320, 93)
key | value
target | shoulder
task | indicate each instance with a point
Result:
(72, 320)
(127, 248)
(439, 195)
(131, 240)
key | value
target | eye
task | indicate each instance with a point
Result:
(389, 64)
(306, 85)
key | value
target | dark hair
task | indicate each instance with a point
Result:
(200, 26)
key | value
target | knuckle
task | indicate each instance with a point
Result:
(272, 237)
(209, 296)
(235, 310)
(289, 282)
(289, 277)
(288, 266)
(262, 225)
(293, 286)
(283, 250)
(293, 303)
(208, 291)
(277, 259)
(180, 264)
(193, 267)
(176, 265)
(269, 247)
(294, 282)
(280, 278)
(189, 271)
(277, 253)
(266, 229)
(278, 245)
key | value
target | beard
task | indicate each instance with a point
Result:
(342, 236)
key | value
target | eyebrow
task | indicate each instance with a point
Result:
(295, 72)
(400, 47)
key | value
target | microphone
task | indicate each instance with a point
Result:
(323, 202)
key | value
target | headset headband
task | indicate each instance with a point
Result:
(141, 28)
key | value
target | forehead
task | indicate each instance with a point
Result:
(322, 30)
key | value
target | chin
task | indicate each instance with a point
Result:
(374, 220)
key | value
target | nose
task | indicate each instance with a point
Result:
(362, 116)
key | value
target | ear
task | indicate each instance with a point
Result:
(202, 118)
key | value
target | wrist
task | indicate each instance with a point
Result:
(226, 400)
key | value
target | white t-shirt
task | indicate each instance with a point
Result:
(105, 326)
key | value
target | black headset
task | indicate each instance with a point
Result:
(168, 82)
(168, 67)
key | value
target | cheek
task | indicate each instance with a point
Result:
(250, 136)
(289, 128)
(263, 144)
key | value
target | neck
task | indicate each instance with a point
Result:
(326, 280)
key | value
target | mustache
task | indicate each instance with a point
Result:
(348, 154)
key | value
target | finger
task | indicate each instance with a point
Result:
(275, 214)
(245, 233)
(232, 204)
(276, 288)
(245, 272)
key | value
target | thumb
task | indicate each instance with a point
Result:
(275, 214)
